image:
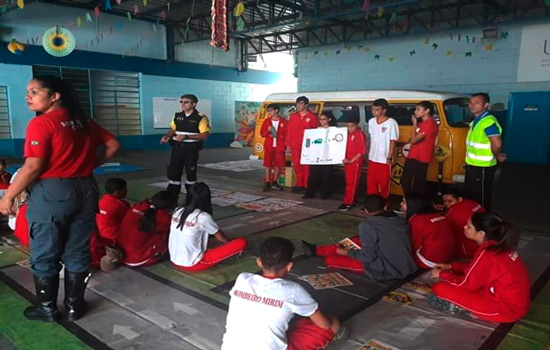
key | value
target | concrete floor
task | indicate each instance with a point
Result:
(157, 308)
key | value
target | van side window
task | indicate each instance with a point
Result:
(402, 113)
(341, 110)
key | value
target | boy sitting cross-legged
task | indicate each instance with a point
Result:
(262, 306)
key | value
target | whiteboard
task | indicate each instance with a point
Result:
(324, 146)
(164, 109)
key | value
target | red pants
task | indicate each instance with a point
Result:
(97, 247)
(214, 256)
(481, 303)
(274, 158)
(301, 171)
(305, 335)
(378, 179)
(353, 176)
(337, 261)
(21, 226)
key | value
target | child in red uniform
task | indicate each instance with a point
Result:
(189, 232)
(432, 240)
(421, 153)
(274, 130)
(144, 231)
(262, 306)
(355, 152)
(112, 210)
(5, 177)
(495, 285)
(384, 132)
(459, 210)
(302, 119)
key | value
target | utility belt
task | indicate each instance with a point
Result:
(199, 145)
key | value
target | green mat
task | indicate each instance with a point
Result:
(10, 255)
(31, 335)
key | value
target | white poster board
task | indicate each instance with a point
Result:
(164, 109)
(324, 146)
(534, 56)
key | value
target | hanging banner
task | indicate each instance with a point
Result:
(534, 55)
(324, 146)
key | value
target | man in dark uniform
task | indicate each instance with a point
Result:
(188, 130)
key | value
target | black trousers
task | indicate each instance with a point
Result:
(320, 177)
(478, 184)
(413, 179)
(184, 155)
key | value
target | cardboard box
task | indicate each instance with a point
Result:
(289, 179)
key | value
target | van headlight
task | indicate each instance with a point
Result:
(458, 178)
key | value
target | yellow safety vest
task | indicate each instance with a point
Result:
(478, 146)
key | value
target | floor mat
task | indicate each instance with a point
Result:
(27, 335)
(11, 255)
(235, 165)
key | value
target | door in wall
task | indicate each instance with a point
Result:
(527, 137)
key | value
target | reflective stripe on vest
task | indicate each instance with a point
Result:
(478, 145)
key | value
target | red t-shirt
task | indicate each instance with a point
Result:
(423, 151)
(296, 126)
(356, 145)
(111, 213)
(70, 151)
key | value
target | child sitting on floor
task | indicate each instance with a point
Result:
(5, 177)
(432, 240)
(112, 210)
(262, 306)
(385, 248)
(143, 235)
(189, 232)
(459, 210)
(495, 285)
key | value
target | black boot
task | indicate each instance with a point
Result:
(46, 296)
(75, 286)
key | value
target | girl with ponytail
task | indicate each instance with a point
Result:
(191, 229)
(144, 230)
(495, 285)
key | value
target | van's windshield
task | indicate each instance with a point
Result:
(457, 112)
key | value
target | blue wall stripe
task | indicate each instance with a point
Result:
(36, 55)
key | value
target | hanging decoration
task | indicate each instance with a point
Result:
(96, 11)
(136, 10)
(547, 2)
(380, 12)
(79, 22)
(15, 47)
(426, 41)
(503, 35)
(435, 46)
(220, 37)
(239, 9)
(108, 5)
(129, 15)
(118, 2)
(412, 53)
(144, 3)
(21, 4)
(449, 53)
(88, 17)
(239, 25)
(489, 47)
(393, 17)
(468, 54)
(58, 41)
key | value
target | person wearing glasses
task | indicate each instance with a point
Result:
(188, 130)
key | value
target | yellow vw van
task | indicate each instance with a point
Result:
(452, 115)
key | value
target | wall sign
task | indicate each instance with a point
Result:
(534, 56)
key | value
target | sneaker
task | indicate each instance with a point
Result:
(341, 335)
(310, 249)
(275, 186)
(267, 187)
(344, 207)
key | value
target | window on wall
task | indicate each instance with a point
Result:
(5, 130)
(116, 101)
(111, 98)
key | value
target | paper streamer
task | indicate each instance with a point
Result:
(136, 10)
(88, 17)
(79, 22)
(108, 5)
(380, 12)
(129, 15)
(118, 2)
(20, 4)
(144, 3)
(366, 5)
(96, 11)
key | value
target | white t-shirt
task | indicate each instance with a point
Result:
(380, 137)
(260, 310)
(188, 244)
(275, 125)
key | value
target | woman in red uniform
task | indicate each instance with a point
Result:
(60, 155)
(495, 285)
(144, 231)
(432, 240)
